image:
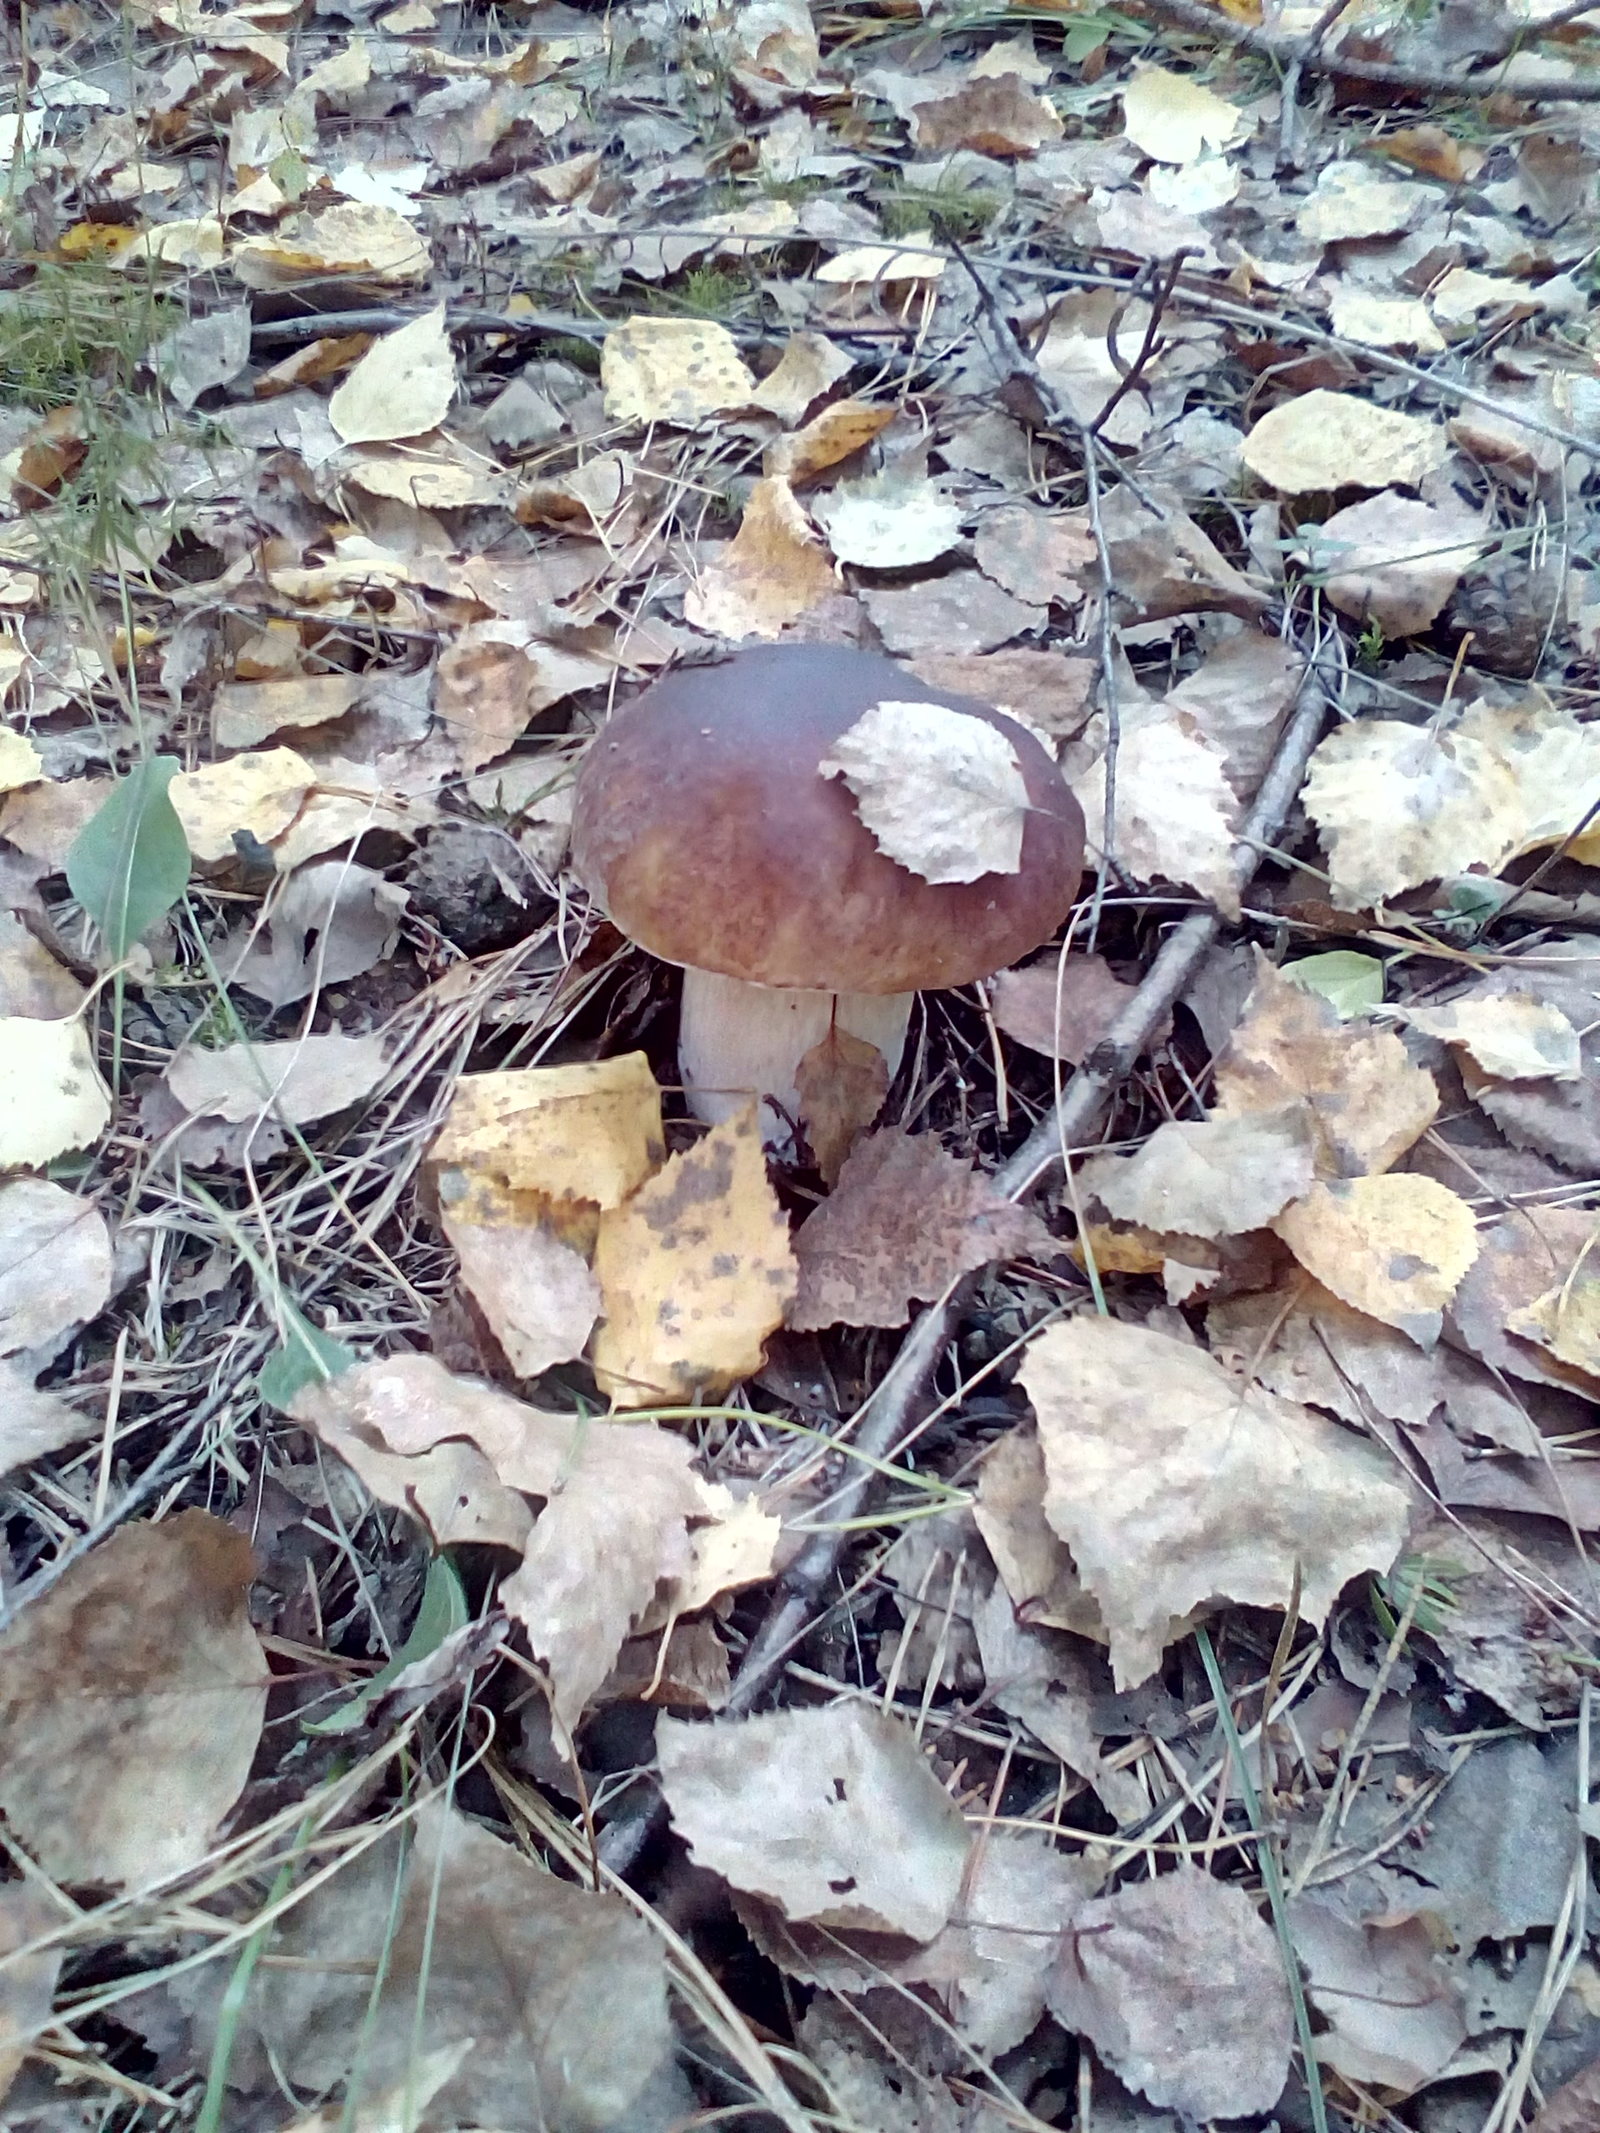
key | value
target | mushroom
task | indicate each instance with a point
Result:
(705, 825)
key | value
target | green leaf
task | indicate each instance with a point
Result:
(443, 1610)
(306, 1356)
(1353, 983)
(129, 863)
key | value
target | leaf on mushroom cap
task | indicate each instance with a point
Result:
(942, 792)
(703, 822)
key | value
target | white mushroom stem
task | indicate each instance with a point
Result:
(737, 1040)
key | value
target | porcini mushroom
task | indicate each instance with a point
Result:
(707, 824)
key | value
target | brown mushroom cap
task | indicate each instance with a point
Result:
(701, 822)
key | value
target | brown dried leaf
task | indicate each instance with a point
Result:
(1394, 1246)
(905, 1220)
(1179, 1985)
(1368, 1101)
(330, 920)
(483, 693)
(1395, 2016)
(841, 1083)
(550, 2000)
(772, 572)
(244, 713)
(299, 1080)
(1049, 691)
(994, 115)
(1176, 1486)
(33, 1422)
(1572, 2108)
(837, 433)
(28, 1971)
(259, 794)
(959, 612)
(1034, 1563)
(1211, 1178)
(1035, 555)
(1393, 560)
(1065, 1019)
(832, 1814)
(131, 1700)
(695, 1271)
(1175, 809)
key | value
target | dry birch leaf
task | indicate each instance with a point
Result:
(1175, 118)
(1174, 807)
(35, 1422)
(618, 1498)
(329, 921)
(695, 1271)
(1177, 1487)
(885, 524)
(1393, 560)
(131, 1701)
(256, 794)
(837, 432)
(677, 370)
(1369, 1103)
(1179, 1984)
(1211, 1178)
(55, 1263)
(245, 712)
(832, 1814)
(905, 1220)
(588, 1132)
(841, 1083)
(1507, 1035)
(483, 693)
(995, 115)
(942, 792)
(1394, 1246)
(772, 572)
(1325, 440)
(298, 1080)
(402, 386)
(1064, 1013)
(68, 1104)
(537, 1294)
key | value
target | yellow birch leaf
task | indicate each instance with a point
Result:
(1395, 1246)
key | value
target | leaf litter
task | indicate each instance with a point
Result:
(1068, 1600)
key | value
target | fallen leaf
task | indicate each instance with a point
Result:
(537, 1294)
(677, 370)
(992, 115)
(1163, 564)
(298, 1080)
(1369, 1102)
(904, 1221)
(833, 433)
(1210, 1178)
(1238, 698)
(1394, 2014)
(245, 712)
(1034, 1563)
(203, 352)
(889, 524)
(772, 572)
(1064, 1006)
(1398, 805)
(831, 1814)
(617, 1499)
(841, 1083)
(960, 612)
(941, 791)
(1179, 1985)
(331, 920)
(462, 1940)
(1351, 200)
(809, 366)
(402, 386)
(1178, 1487)
(1520, 1260)
(1394, 561)
(1048, 691)
(1509, 1035)
(68, 1104)
(131, 1700)
(31, 1955)
(1174, 806)
(695, 1271)
(483, 693)
(589, 1132)
(1175, 118)
(1394, 1246)
(916, 259)
(372, 241)
(1327, 440)
(54, 1263)
(34, 1422)
(1036, 556)
(1566, 1322)
(1384, 321)
(33, 984)
(256, 795)
(20, 762)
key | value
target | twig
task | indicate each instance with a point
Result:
(1206, 22)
